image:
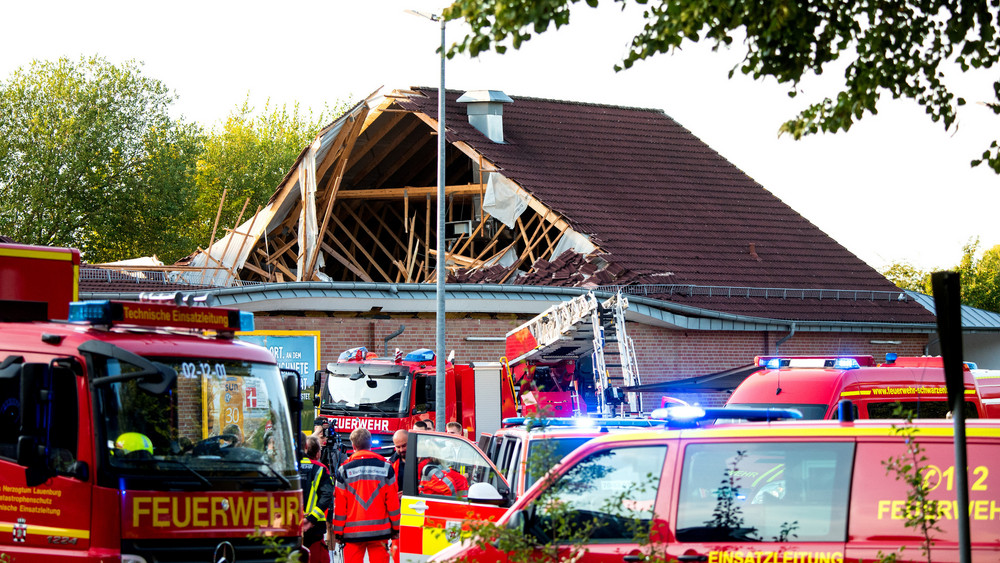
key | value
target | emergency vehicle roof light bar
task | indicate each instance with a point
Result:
(692, 415)
(155, 315)
(582, 422)
(834, 362)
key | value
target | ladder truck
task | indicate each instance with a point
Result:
(549, 356)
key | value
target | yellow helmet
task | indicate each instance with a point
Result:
(133, 442)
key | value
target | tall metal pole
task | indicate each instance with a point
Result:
(441, 398)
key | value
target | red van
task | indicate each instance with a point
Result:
(815, 385)
(794, 491)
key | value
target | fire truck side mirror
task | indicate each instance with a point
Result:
(35, 416)
(317, 384)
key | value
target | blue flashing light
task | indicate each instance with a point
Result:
(846, 363)
(246, 321)
(421, 355)
(376, 442)
(681, 413)
(93, 312)
(773, 363)
(972, 365)
(890, 358)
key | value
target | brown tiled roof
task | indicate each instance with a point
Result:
(660, 202)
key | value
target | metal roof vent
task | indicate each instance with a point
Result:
(485, 109)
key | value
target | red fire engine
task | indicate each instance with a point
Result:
(544, 374)
(136, 431)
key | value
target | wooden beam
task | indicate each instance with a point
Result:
(524, 234)
(346, 263)
(410, 255)
(402, 159)
(284, 248)
(331, 192)
(384, 223)
(264, 276)
(427, 236)
(373, 137)
(361, 248)
(400, 193)
(243, 241)
(373, 235)
(530, 247)
(357, 269)
(478, 228)
(377, 159)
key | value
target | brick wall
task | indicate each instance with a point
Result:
(662, 354)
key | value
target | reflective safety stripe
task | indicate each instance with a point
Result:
(32, 529)
(311, 503)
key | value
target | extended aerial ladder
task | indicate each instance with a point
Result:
(575, 329)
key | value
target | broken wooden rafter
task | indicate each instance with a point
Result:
(361, 248)
(410, 191)
(346, 263)
(331, 195)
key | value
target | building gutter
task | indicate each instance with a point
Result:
(492, 298)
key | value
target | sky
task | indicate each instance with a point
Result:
(895, 188)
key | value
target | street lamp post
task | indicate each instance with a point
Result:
(440, 400)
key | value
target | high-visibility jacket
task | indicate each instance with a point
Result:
(366, 505)
(317, 488)
(438, 480)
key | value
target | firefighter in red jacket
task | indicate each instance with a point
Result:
(438, 478)
(366, 504)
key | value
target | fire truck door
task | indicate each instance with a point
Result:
(447, 482)
(47, 509)
(758, 501)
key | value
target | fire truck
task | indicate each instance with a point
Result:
(137, 431)
(554, 364)
(815, 385)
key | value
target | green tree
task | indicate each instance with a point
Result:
(980, 277)
(90, 158)
(906, 276)
(247, 156)
(900, 49)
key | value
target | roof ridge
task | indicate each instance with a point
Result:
(537, 99)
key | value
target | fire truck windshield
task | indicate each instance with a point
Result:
(219, 418)
(367, 388)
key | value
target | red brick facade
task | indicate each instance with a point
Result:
(662, 354)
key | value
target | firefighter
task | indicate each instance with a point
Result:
(398, 457)
(134, 445)
(437, 478)
(317, 489)
(366, 505)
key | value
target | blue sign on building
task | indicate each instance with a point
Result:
(292, 349)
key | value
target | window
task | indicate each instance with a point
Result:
(448, 466)
(764, 492)
(56, 418)
(543, 454)
(610, 493)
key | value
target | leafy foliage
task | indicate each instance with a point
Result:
(90, 158)
(909, 277)
(980, 277)
(247, 157)
(899, 49)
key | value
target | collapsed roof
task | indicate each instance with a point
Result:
(545, 192)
